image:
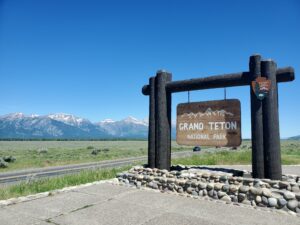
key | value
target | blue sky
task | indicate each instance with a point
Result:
(91, 58)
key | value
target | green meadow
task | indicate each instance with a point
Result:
(36, 154)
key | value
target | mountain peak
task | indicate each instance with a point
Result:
(17, 115)
(131, 119)
(67, 118)
(107, 121)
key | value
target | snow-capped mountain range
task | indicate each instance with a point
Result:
(62, 125)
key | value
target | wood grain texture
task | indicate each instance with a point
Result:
(162, 121)
(219, 81)
(272, 155)
(151, 131)
(256, 122)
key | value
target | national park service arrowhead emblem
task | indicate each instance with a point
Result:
(261, 87)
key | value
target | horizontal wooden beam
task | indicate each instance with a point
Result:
(220, 81)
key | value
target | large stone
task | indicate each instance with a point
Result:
(164, 171)
(218, 186)
(276, 194)
(190, 190)
(292, 204)
(138, 184)
(201, 193)
(163, 180)
(247, 181)
(295, 188)
(234, 198)
(171, 186)
(255, 191)
(244, 189)
(246, 202)
(281, 202)
(226, 198)
(211, 193)
(289, 195)
(272, 202)
(215, 195)
(233, 188)
(223, 178)
(194, 193)
(241, 197)
(266, 192)
(221, 194)
(225, 188)
(180, 190)
(258, 199)
(264, 200)
(170, 180)
(283, 184)
(202, 185)
(139, 177)
(150, 178)
(181, 182)
(194, 183)
(297, 196)
(210, 186)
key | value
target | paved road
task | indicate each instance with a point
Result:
(17, 176)
(107, 204)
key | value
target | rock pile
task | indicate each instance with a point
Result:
(220, 185)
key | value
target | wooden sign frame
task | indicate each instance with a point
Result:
(266, 158)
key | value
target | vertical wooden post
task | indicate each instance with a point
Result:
(163, 121)
(169, 114)
(151, 131)
(256, 122)
(272, 154)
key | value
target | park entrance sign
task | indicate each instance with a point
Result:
(211, 123)
(265, 137)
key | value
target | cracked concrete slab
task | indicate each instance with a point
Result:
(106, 189)
(173, 218)
(112, 212)
(52, 206)
(9, 217)
(113, 204)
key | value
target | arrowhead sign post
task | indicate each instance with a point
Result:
(261, 87)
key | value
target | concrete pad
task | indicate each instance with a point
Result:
(8, 217)
(52, 206)
(229, 213)
(178, 219)
(112, 212)
(113, 204)
(105, 189)
(152, 199)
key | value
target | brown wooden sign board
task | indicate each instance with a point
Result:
(211, 123)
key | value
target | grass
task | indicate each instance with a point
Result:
(290, 155)
(49, 184)
(70, 152)
(216, 158)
